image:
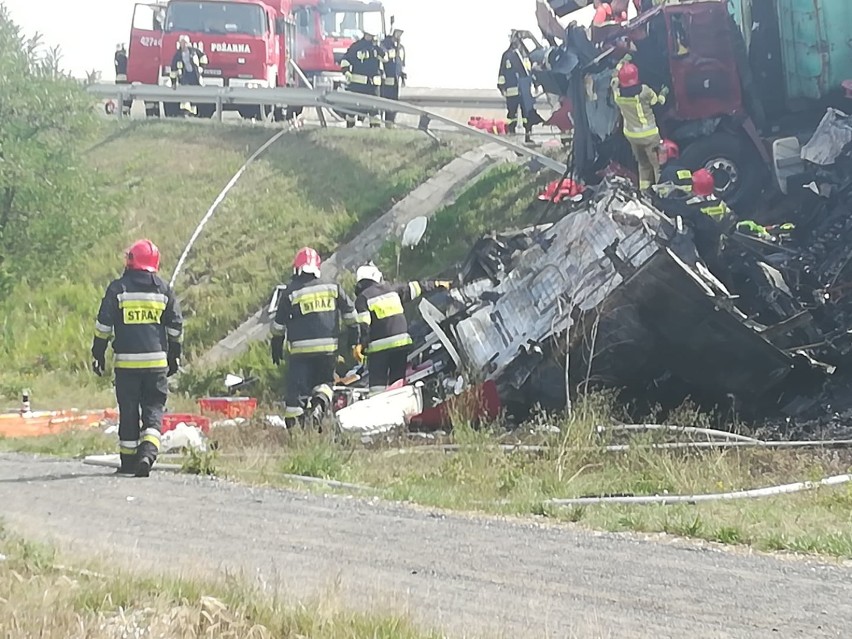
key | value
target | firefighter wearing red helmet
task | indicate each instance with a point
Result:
(675, 178)
(307, 326)
(140, 314)
(636, 101)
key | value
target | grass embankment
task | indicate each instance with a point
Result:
(311, 187)
(41, 597)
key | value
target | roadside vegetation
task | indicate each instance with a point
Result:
(572, 462)
(157, 180)
(43, 596)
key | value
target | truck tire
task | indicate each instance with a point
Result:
(206, 111)
(254, 112)
(171, 109)
(737, 167)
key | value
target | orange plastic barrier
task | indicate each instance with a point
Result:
(42, 423)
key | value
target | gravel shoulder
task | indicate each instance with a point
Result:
(469, 576)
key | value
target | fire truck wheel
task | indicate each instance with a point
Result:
(206, 111)
(255, 112)
(736, 167)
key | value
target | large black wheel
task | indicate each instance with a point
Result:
(171, 109)
(737, 168)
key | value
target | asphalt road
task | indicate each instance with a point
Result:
(468, 576)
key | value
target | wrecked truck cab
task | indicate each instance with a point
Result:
(618, 288)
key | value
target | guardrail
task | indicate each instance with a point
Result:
(335, 100)
(296, 97)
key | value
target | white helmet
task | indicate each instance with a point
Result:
(369, 272)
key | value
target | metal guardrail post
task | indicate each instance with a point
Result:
(220, 107)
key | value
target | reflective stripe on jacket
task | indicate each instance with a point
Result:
(637, 112)
(710, 206)
(309, 314)
(394, 60)
(514, 65)
(381, 315)
(364, 60)
(141, 315)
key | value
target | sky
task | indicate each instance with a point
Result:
(449, 43)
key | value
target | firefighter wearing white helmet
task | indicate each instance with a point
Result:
(384, 330)
(187, 68)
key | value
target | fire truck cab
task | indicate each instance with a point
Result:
(325, 29)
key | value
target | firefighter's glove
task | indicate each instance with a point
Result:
(358, 353)
(277, 350)
(447, 284)
(99, 356)
(348, 77)
(174, 366)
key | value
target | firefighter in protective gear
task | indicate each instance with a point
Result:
(141, 315)
(363, 66)
(395, 76)
(120, 62)
(307, 325)
(710, 218)
(515, 83)
(187, 68)
(384, 334)
(675, 178)
(636, 101)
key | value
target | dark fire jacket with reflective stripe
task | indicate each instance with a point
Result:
(709, 205)
(394, 60)
(365, 61)
(677, 174)
(309, 314)
(141, 315)
(381, 316)
(514, 65)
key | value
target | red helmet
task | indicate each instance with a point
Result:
(307, 260)
(143, 256)
(703, 183)
(671, 149)
(628, 75)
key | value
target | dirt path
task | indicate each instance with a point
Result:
(468, 576)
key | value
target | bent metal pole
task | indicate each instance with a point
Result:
(220, 198)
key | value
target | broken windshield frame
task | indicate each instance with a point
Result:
(219, 18)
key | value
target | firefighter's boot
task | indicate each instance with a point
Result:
(147, 457)
(128, 464)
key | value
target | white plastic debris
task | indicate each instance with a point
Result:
(183, 436)
(381, 413)
(276, 421)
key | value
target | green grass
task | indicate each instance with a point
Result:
(313, 187)
(72, 444)
(480, 477)
(503, 198)
(43, 596)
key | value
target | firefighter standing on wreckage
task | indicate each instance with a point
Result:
(307, 325)
(636, 101)
(384, 337)
(141, 315)
(363, 66)
(187, 68)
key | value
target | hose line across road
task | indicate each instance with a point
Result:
(468, 576)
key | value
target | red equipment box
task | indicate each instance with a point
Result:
(229, 407)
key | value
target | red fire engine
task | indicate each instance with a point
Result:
(248, 43)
